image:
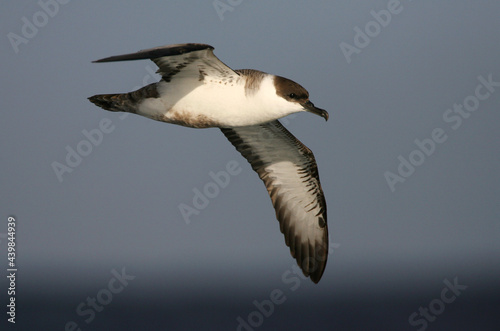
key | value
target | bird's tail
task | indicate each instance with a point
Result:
(125, 102)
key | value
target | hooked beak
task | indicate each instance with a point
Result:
(309, 106)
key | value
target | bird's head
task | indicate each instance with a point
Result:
(296, 96)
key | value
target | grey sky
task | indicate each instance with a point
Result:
(119, 207)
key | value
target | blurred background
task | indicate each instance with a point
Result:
(97, 196)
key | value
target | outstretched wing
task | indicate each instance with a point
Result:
(182, 60)
(290, 173)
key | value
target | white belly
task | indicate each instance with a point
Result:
(201, 105)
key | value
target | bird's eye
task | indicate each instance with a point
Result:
(292, 95)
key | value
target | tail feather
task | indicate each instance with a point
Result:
(125, 102)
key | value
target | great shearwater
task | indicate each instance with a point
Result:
(197, 90)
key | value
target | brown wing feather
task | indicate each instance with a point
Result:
(177, 60)
(290, 174)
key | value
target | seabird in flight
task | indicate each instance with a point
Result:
(197, 90)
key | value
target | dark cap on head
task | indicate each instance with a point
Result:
(293, 92)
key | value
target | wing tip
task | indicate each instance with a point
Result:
(317, 271)
(152, 53)
(318, 274)
(314, 264)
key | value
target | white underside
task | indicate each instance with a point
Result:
(222, 104)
